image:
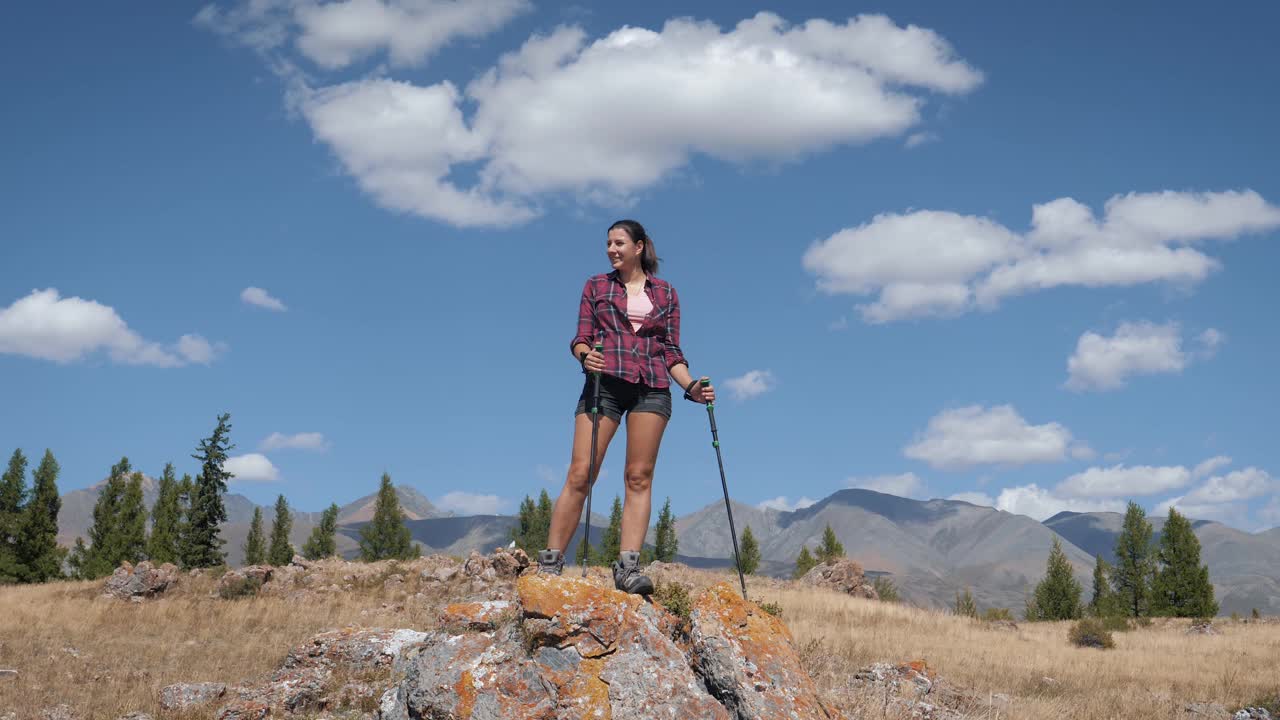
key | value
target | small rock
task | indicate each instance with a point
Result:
(1209, 711)
(8, 674)
(1253, 713)
(61, 712)
(136, 715)
(185, 696)
(302, 562)
(1203, 627)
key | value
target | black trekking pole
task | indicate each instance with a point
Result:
(733, 533)
(591, 471)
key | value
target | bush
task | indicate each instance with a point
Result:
(1115, 623)
(1254, 614)
(994, 614)
(1235, 617)
(237, 588)
(675, 598)
(772, 608)
(965, 605)
(1090, 632)
(885, 588)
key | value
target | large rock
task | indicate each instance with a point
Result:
(144, 580)
(842, 575)
(748, 660)
(188, 696)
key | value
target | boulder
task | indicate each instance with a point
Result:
(1203, 627)
(244, 581)
(748, 660)
(187, 696)
(144, 580)
(842, 575)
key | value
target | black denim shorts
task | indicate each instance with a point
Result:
(617, 396)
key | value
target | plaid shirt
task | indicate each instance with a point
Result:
(635, 356)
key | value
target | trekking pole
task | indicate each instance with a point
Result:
(733, 533)
(591, 471)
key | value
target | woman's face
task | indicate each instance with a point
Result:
(623, 252)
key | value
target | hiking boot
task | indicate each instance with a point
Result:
(550, 562)
(627, 577)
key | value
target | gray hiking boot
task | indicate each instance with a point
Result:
(627, 577)
(550, 562)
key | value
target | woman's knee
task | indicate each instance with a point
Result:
(639, 478)
(576, 480)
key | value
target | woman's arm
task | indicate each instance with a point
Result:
(677, 365)
(587, 332)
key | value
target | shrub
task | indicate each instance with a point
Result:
(1235, 617)
(1115, 623)
(772, 608)
(1090, 632)
(675, 598)
(885, 588)
(1254, 614)
(994, 614)
(237, 588)
(965, 604)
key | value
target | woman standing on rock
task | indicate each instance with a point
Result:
(636, 317)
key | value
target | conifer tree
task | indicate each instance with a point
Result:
(965, 605)
(1181, 587)
(281, 552)
(1102, 604)
(105, 548)
(323, 541)
(749, 550)
(386, 536)
(611, 543)
(255, 545)
(13, 497)
(204, 542)
(804, 563)
(133, 522)
(830, 549)
(585, 553)
(524, 532)
(1057, 597)
(186, 489)
(1131, 576)
(664, 535)
(38, 551)
(542, 524)
(162, 545)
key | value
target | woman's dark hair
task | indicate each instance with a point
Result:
(648, 256)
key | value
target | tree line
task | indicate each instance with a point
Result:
(182, 526)
(533, 524)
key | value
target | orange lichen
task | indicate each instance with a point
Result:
(466, 690)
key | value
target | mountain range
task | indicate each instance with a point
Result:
(930, 548)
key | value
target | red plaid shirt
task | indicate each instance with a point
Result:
(646, 355)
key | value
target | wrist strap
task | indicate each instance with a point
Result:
(688, 387)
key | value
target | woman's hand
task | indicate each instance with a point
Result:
(703, 393)
(594, 361)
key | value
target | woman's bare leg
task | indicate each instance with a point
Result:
(568, 508)
(644, 435)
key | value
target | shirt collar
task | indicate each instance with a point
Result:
(616, 276)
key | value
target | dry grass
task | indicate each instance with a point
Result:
(105, 658)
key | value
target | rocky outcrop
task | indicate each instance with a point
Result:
(141, 581)
(1203, 627)
(842, 575)
(187, 696)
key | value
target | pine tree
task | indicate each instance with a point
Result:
(386, 536)
(664, 535)
(611, 543)
(804, 563)
(585, 554)
(105, 548)
(207, 509)
(1181, 587)
(749, 550)
(13, 497)
(542, 524)
(38, 551)
(1131, 576)
(830, 549)
(162, 546)
(281, 552)
(1058, 594)
(186, 490)
(1103, 603)
(133, 522)
(523, 531)
(323, 541)
(965, 605)
(255, 545)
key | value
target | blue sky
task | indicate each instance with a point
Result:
(1022, 256)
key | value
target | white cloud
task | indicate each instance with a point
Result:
(975, 435)
(763, 90)
(334, 35)
(253, 467)
(297, 441)
(49, 327)
(906, 484)
(261, 298)
(1120, 481)
(1042, 504)
(976, 498)
(1270, 515)
(942, 263)
(920, 138)
(1210, 466)
(782, 503)
(465, 503)
(1137, 348)
(1243, 484)
(751, 384)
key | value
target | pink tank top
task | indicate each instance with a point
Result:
(638, 308)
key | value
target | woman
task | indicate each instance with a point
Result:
(636, 317)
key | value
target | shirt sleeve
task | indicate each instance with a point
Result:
(586, 318)
(671, 353)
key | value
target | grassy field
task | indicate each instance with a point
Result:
(105, 658)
